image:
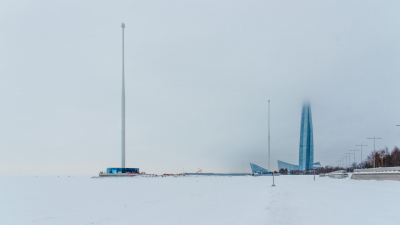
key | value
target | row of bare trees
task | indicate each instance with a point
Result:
(382, 158)
(326, 169)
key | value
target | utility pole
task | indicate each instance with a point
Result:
(361, 150)
(374, 147)
(269, 153)
(123, 103)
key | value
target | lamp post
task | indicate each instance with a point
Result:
(349, 159)
(354, 155)
(269, 168)
(374, 147)
(346, 162)
(361, 151)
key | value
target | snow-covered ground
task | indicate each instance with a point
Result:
(197, 200)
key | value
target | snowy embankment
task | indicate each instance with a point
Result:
(197, 200)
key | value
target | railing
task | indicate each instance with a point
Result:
(380, 169)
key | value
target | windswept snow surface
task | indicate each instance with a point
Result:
(197, 200)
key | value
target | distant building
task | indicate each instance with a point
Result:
(257, 169)
(288, 166)
(317, 165)
(123, 170)
(306, 148)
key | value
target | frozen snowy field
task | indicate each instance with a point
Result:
(197, 200)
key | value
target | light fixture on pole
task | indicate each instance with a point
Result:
(374, 147)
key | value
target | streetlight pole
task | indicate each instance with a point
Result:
(354, 155)
(374, 147)
(268, 142)
(346, 162)
(349, 159)
(361, 150)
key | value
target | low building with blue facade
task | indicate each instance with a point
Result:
(258, 169)
(123, 170)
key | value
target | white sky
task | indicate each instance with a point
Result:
(198, 78)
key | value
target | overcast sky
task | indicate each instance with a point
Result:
(198, 78)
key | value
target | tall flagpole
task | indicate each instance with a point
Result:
(123, 104)
(269, 168)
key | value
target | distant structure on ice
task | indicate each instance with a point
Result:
(121, 170)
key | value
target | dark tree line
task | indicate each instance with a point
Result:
(283, 171)
(382, 158)
(326, 169)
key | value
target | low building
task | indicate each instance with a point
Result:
(288, 166)
(258, 169)
(123, 170)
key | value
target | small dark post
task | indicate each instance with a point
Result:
(273, 179)
(314, 174)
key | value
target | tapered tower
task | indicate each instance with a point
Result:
(306, 150)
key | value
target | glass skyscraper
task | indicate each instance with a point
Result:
(306, 150)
